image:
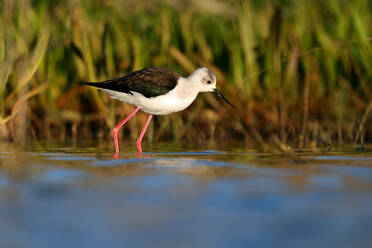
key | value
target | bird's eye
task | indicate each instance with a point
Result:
(209, 81)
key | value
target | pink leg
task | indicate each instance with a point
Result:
(116, 130)
(139, 140)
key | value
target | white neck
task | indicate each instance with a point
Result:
(187, 87)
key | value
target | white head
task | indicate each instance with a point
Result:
(203, 80)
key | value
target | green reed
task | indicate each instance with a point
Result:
(299, 71)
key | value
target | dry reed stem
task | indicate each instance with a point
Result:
(182, 59)
(305, 113)
(33, 92)
(360, 132)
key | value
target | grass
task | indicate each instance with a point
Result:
(299, 71)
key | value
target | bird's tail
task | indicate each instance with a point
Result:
(90, 84)
(86, 83)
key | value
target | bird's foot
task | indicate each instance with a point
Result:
(140, 155)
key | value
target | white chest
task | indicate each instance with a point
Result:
(160, 105)
(165, 104)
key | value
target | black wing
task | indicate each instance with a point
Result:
(150, 82)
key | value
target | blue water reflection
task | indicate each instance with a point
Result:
(68, 198)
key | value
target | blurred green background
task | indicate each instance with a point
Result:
(299, 71)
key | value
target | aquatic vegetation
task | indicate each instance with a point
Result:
(299, 72)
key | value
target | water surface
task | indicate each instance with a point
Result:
(82, 197)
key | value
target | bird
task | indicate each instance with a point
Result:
(157, 91)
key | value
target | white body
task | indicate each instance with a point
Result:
(175, 100)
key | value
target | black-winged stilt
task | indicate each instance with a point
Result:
(157, 91)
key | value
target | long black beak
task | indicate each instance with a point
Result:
(224, 98)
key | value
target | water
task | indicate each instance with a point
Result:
(82, 197)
